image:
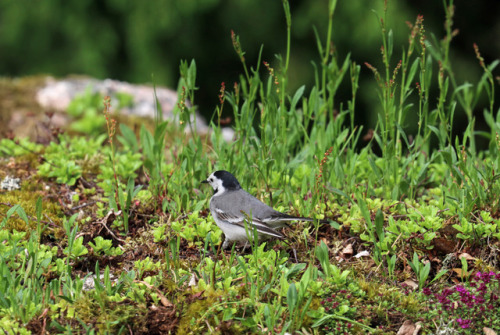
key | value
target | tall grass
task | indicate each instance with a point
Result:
(282, 137)
(302, 150)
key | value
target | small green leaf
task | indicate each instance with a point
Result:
(292, 297)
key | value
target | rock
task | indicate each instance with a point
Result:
(10, 184)
(34, 106)
(56, 95)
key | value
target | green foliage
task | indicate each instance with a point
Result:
(128, 139)
(146, 265)
(86, 109)
(103, 246)
(299, 151)
(330, 271)
(22, 265)
(154, 157)
(15, 209)
(124, 202)
(72, 157)
(12, 326)
(18, 147)
(421, 270)
(76, 249)
(64, 160)
(197, 229)
(127, 164)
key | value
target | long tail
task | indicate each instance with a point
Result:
(286, 218)
(261, 227)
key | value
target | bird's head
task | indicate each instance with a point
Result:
(222, 181)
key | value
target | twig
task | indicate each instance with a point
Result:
(84, 205)
(103, 222)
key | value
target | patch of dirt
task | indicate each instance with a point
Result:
(36, 326)
(161, 320)
(443, 246)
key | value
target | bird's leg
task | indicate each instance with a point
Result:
(225, 244)
(295, 255)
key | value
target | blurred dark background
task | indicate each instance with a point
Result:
(133, 40)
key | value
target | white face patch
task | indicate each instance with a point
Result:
(216, 184)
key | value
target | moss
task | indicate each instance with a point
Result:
(10, 326)
(205, 314)
(314, 306)
(18, 95)
(32, 188)
(375, 291)
(26, 198)
(191, 320)
(109, 316)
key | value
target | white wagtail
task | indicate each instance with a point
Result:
(232, 207)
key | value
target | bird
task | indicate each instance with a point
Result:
(233, 208)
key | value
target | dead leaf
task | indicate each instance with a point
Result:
(197, 295)
(407, 328)
(193, 281)
(363, 253)
(488, 331)
(411, 284)
(466, 256)
(435, 260)
(348, 250)
(368, 136)
(44, 314)
(164, 301)
(417, 328)
(460, 272)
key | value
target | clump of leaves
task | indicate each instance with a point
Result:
(85, 108)
(104, 246)
(195, 229)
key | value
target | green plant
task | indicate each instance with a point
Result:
(145, 265)
(67, 174)
(23, 293)
(18, 147)
(153, 146)
(421, 270)
(127, 165)
(391, 265)
(64, 160)
(14, 209)
(159, 233)
(299, 150)
(337, 320)
(124, 202)
(103, 246)
(117, 197)
(111, 288)
(330, 271)
(376, 232)
(85, 109)
(196, 229)
(76, 248)
(298, 298)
